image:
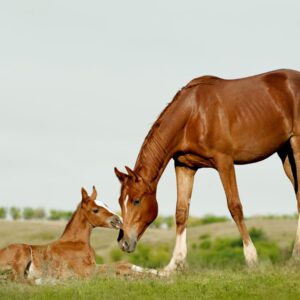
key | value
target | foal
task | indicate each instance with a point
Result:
(69, 256)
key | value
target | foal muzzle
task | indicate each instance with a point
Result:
(115, 222)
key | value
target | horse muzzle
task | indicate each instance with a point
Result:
(126, 244)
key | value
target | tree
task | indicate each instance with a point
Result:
(169, 221)
(66, 215)
(39, 213)
(60, 214)
(3, 212)
(55, 214)
(28, 213)
(15, 213)
(157, 223)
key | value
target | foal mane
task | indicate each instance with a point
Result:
(71, 219)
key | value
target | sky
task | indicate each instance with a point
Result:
(81, 83)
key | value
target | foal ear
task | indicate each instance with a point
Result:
(84, 194)
(133, 174)
(121, 176)
(94, 194)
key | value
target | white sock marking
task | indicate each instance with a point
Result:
(143, 270)
(296, 250)
(298, 231)
(179, 252)
(137, 269)
(250, 253)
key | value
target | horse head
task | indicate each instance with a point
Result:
(138, 205)
(97, 213)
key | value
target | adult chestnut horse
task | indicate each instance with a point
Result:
(214, 123)
(71, 255)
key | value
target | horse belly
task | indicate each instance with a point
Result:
(259, 145)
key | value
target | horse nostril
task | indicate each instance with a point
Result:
(121, 234)
(125, 245)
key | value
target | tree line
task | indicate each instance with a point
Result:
(29, 213)
(162, 222)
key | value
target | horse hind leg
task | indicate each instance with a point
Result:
(290, 157)
(288, 163)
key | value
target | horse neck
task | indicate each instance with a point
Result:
(77, 229)
(152, 159)
(162, 142)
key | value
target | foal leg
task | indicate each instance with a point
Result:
(185, 180)
(18, 257)
(226, 171)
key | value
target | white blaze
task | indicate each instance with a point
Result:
(101, 204)
(125, 204)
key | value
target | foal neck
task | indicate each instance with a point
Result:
(78, 229)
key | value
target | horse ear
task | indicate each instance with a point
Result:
(84, 194)
(121, 176)
(94, 194)
(133, 174)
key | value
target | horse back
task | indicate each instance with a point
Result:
(248, 118)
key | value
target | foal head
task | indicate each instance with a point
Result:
(97, 213)
(139, 208)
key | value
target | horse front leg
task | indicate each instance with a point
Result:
(226, 171)
(185, 180)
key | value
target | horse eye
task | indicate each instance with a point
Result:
(95, 210)
(136, 202)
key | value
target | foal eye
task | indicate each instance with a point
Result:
(136, 202)
(95, 210)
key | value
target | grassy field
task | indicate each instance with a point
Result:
(268, 283)
(226, 277)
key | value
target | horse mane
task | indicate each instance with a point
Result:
(203, 80)
(160, 116)
(157, 142)
(151, 136)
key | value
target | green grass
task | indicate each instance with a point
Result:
(264, 283)
(216, 267)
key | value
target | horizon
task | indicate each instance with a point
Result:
(82, 84)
